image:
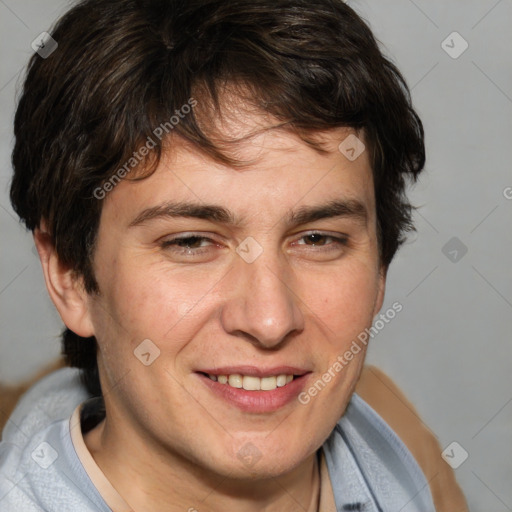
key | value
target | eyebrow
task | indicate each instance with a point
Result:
(350, 208)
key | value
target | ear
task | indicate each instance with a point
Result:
(65, 289)
(379, 300)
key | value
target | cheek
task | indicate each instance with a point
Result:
(141, 304)
(344, 300)
(152, 302)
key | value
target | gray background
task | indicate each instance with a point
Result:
(450, 347)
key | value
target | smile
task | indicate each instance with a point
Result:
(252, 383)
(255, 390)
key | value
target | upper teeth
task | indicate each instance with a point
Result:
(251, 383)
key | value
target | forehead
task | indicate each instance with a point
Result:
(278, 172)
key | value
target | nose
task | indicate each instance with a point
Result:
(262, 306)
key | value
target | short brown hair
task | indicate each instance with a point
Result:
(124, 67)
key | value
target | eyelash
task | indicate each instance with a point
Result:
(172, 244)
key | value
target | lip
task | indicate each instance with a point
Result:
(258, 402)
(255, 371)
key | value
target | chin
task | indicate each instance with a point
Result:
(269, 463)
(247, 462)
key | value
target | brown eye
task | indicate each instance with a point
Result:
(187, 243)
(321, 246)
(191, 242)
(321, 240)
(316, 239)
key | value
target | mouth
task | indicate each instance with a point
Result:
(251, 382)
(255, 390)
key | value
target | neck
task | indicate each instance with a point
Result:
(156, 480)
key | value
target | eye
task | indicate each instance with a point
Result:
(190, 247)
(321, 240)
(188, 242)
(320, 246)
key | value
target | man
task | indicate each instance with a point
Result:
(216, 191)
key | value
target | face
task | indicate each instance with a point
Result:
(253, 275)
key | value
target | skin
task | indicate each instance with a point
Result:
(168, 442)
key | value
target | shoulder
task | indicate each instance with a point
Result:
(39, 468)
(27, 469)
(50, 399)
(45, 474)
(390, 403)
(370, 466)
